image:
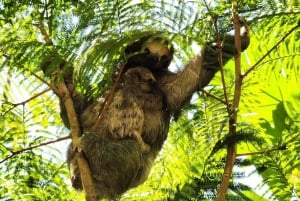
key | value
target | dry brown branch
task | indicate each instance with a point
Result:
(14, 153)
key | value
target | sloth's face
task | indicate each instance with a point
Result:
(153, 54)
(142, 78)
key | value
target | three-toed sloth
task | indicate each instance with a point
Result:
(120, 163)
(135, 98)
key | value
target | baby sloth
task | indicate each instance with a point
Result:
(124, 117)
(125, 114)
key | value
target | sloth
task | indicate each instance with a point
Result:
(125, 114)
(124, 156)
(135, 96)
(116, 162)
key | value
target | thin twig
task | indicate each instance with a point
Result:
(14, 105)
(33, 97)
(213, 96)
(278, 58)
(220, 59)
(280, 148)
(14, 153)
(51, 85)
(274, 47)
(109, 98)
(270, 16)
(34, 74)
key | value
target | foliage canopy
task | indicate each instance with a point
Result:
(92, 35)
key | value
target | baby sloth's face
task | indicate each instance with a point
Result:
(141, 78)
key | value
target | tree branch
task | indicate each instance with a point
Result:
(14, 153)
(231, 152)
(86, 177)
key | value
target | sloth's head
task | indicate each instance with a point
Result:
(141, 78)
(153, 53)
